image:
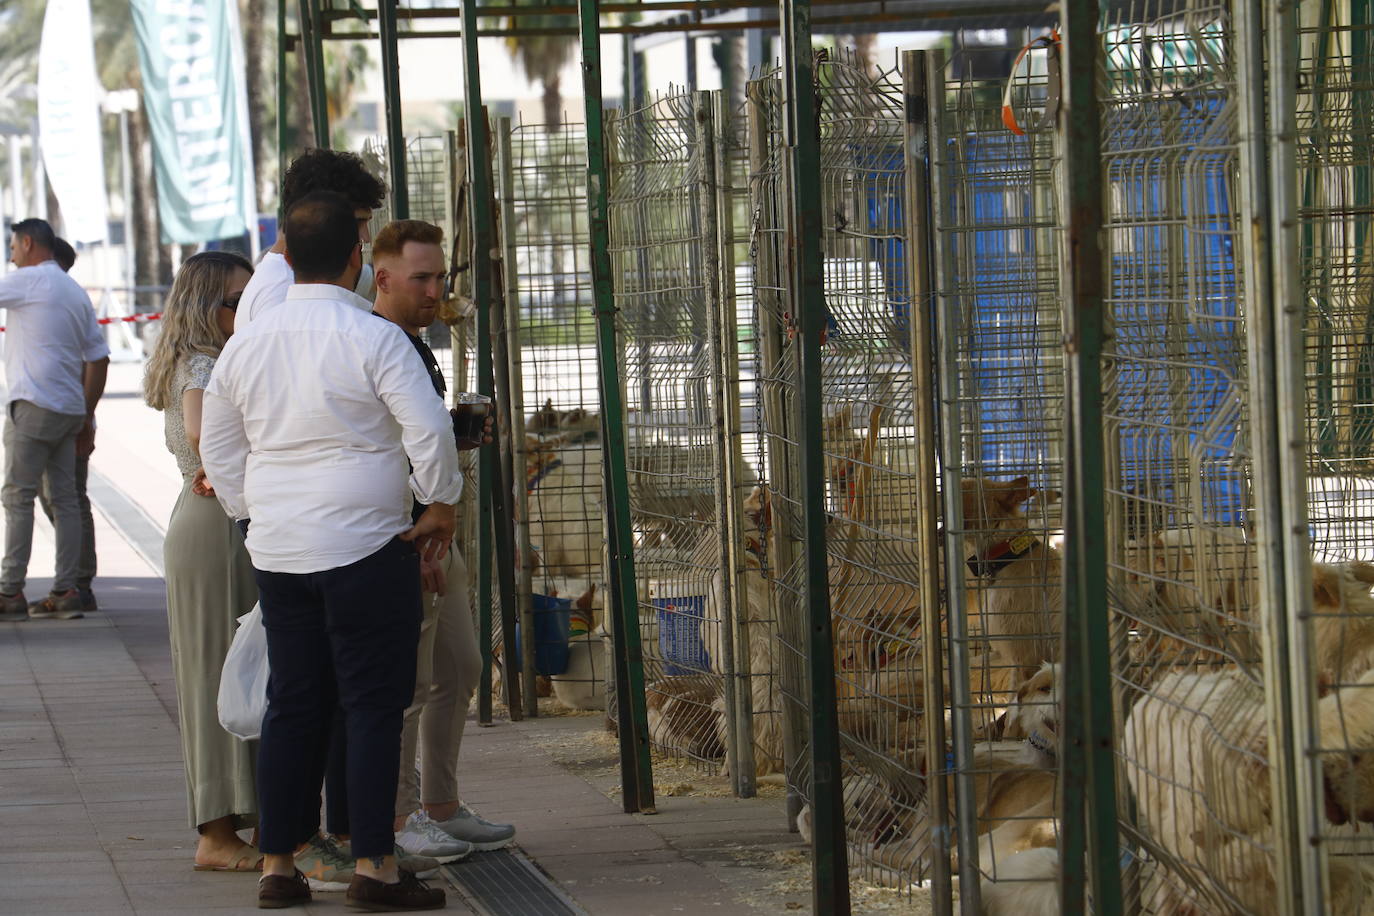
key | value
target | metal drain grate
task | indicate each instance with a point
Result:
(505, 883)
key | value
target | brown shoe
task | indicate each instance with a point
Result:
(13, 608)
(277, 892)
(409, 893)
(66, 606)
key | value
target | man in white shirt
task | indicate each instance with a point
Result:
(65, 256)
(309, 418)
(314, 170)
(56, 360)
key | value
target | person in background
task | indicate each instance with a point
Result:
(56, 361)
(408, 261)
(65, 256)
(300, 438)
(208, 572)
(314, 170)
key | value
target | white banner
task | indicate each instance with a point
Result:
(69, 95)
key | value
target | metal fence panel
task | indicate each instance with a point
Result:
(664, 219)
(560, 519)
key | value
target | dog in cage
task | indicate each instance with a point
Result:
(549, 420)
(1034, 715)
(1193, 589)
(682, 715)
(1014, 784)
(1023, 884)
(1343, 619)
(1017, 576)
(765, 659)
(1198, 747)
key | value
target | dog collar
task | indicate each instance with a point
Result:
(538, 477)
(1000, 555)
(1041, 743)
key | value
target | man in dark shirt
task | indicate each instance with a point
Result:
(408, 260)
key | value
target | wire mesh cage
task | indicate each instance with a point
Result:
(996, 219)
(559, 518)
(1187, 637)
(665, 218)
(1332, 108)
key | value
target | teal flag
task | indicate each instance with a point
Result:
(190, 52)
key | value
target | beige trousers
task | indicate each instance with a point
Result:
(447, 669)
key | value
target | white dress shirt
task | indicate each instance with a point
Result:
(267, 288)
(50, 332)
(270, 282)
(308, 420)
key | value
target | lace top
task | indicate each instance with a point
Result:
(192, 373)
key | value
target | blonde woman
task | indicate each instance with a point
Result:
(209, 574)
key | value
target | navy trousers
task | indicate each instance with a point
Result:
(343, 638)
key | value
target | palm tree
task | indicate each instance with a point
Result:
(543, 57)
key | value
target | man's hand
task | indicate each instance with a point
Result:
(200, 485)
(85, 440)
(488, 431)
(433, 532)
(432, 578)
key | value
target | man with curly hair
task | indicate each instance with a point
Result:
(314, 170)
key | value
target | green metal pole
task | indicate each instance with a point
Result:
(1090, 818)
(829, 860)
(313, 46)
(1296, 861)
(636, 772)
(282, 103)
(494, 517)
(391, 93)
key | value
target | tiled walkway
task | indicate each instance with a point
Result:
(92, 807)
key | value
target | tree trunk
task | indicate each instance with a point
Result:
(256, 79)
(553, 103)
(147, 244)
(865, 46)
(300, 103)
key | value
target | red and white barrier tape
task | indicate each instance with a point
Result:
(139, 319)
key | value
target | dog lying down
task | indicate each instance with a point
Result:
(1200, 773)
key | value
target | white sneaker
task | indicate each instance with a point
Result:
(422, 837)
(481, 834)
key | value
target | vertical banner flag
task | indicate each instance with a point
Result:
(197, 108)
(69, 119)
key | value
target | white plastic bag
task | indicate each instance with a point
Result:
(243, 682)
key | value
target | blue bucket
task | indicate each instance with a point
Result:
(679, 634)
(552, 618)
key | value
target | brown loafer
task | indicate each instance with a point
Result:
(407, 894)
(277, 892)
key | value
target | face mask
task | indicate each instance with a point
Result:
(366, 285)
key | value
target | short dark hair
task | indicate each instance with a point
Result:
(391, 241)
(37, 229)
(63, 253)
(321, 234)
(331, 170)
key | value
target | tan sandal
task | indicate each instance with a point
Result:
(248, 858)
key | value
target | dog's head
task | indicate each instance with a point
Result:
(1342, 587)
(545, 418)
(992, 504)
(1035, 714)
